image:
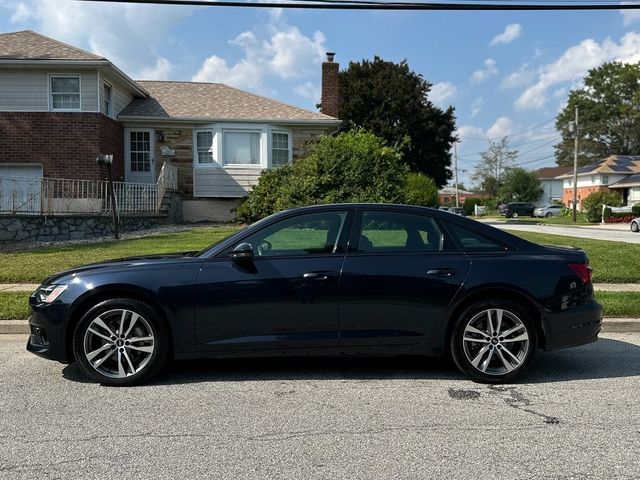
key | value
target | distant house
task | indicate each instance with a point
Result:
(552, 187)
(617, 172)
(61, 106)
(447, 195)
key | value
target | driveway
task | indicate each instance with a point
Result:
(576, 415)
(596, 233)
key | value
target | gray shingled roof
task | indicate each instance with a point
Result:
(215, 101)
(29, 45)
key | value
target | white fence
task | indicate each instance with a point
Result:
(51, 196)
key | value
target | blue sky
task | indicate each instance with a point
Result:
(506, 73)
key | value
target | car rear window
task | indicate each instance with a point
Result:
(472, 241)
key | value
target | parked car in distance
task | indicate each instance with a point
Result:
(548, 211)
(635, 225)
(457, 211)
(345, 279)
(516, 209)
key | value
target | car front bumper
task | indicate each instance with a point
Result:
(48, 332)
(574, 327)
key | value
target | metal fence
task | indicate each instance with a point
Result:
(50, 196)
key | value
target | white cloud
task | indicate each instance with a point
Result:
(521, 77)
(469, 132)
(442, 92)
(630, 16)
(487, 71)
(160, 71)
(511, 32)
(279, 50)
(574, 64)
(309, 90)
(476, 106)
(502, 127)
(126, 34)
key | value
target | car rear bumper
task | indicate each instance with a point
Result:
(575, 327)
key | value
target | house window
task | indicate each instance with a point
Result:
(204, 147)
(106, 99)
(65, 93)
(241, 148)
(280, 149)
(140, 145)
(605, 179)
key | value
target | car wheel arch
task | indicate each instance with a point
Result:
(94, 297)
(505, 292)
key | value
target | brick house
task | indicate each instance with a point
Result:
(61, 106)
(614, 172)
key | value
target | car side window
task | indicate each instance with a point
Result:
(388, 232)
(472, 241)
(308, 234)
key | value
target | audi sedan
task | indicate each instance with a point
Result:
(352, 279)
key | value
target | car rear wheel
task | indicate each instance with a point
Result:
(493, 341)
(120, 342)
(635, 227)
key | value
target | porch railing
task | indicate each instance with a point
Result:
(50, 196)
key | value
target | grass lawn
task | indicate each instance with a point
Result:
(581, 220)
(13, 305)
(612, 262)
(33, 266)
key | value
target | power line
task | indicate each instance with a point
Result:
(383, 5)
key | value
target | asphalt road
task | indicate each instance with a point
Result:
(576, 415)
(595, 233)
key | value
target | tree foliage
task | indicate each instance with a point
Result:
(592, 205)
(353, 166)
(392, 101)
(609, 115)
(520, 185)
(494, 161)
(420, 190)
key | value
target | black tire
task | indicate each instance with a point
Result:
(514, 214)
(496, 369)
(634, 227)
(549, 214)
(147, 350)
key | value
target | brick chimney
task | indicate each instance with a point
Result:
(330, 103)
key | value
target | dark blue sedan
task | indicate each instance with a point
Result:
(352, 279)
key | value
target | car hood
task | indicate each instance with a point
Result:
(125, 262)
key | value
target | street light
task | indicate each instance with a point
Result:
(103, 159)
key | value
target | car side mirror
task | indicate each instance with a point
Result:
(244, 251)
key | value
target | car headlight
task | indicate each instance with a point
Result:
(49, 293)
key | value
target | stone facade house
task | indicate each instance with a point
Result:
(60, 107)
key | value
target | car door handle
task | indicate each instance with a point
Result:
(320, 275)
(442, 272)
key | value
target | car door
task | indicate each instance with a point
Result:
(399, 276)
(286, 296)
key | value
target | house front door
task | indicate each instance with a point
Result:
(139, 153)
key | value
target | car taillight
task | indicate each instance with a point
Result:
(583, 271)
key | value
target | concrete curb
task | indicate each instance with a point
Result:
(610, 325)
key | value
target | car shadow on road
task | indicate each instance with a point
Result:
(604, 359)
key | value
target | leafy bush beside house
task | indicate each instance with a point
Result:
(592, 205)
(353, 166)
(420, 190)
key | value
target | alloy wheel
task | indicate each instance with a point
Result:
(118, 343)
(496, 341)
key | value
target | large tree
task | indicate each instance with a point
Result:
(520, 185)
(494, 161)
(392, 101)
(609, 115)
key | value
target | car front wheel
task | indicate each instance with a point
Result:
(549, 214)
(493, 341)
(120, 342)
(514, 214)
(634, 227)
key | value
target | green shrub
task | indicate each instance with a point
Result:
(470, 203)
(607, 212)
(635, 210)
(420, 190)
(592, 205)
(353, 166)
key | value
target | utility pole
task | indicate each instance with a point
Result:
(575, 167)
(455, 162)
